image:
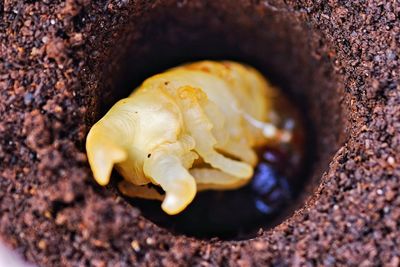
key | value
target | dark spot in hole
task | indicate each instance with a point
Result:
(148, 155)
(59, 205)
(79, 20)
(62, 34)
(28, 2)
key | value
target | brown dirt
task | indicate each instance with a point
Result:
(62, 64)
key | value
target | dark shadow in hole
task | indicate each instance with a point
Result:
(276, 45)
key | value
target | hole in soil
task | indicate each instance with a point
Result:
(275, 43)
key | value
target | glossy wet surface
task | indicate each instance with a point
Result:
(269, 197)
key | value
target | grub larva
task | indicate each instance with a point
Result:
(190, 128)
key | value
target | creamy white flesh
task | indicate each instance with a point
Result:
(178, 121)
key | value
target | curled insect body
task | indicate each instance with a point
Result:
(190, 128)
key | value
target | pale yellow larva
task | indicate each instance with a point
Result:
(190, 128)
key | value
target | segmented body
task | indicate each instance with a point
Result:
(190, 128)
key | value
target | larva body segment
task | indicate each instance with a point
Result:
(191, 128)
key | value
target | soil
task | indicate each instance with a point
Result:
(61, 66)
